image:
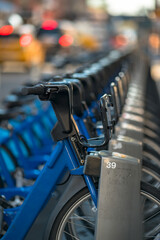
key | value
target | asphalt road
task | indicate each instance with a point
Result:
(10, 81)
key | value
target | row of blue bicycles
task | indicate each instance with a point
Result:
(51, 147)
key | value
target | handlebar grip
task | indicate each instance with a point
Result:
(38, 89)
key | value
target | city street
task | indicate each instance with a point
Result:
(79, 120)
(10, 81)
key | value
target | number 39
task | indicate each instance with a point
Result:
(111, 165)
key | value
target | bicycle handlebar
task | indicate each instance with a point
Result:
(38, 89)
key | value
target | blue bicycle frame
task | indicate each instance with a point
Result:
(63, 158)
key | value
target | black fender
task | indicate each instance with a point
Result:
(42, 225)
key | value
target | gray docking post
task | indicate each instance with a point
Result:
(119, 206)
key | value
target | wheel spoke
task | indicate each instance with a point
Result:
(153, 232)
(79, 221)
(83, 219)
(71, 235)
(78, 224)
(151, 217)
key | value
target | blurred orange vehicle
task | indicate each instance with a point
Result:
(23, 48)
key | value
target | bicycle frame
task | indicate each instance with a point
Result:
(30, 163)
(63, 158)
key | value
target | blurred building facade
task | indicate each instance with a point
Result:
(71, 8)
(58, 8)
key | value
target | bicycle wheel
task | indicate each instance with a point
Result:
(76, 220)
(150, 174)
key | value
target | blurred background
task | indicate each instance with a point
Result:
(39, 38)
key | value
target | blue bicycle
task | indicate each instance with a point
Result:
(73, 216)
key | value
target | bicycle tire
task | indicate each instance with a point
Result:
(151, 166)
(151, 170)
(147, 190)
